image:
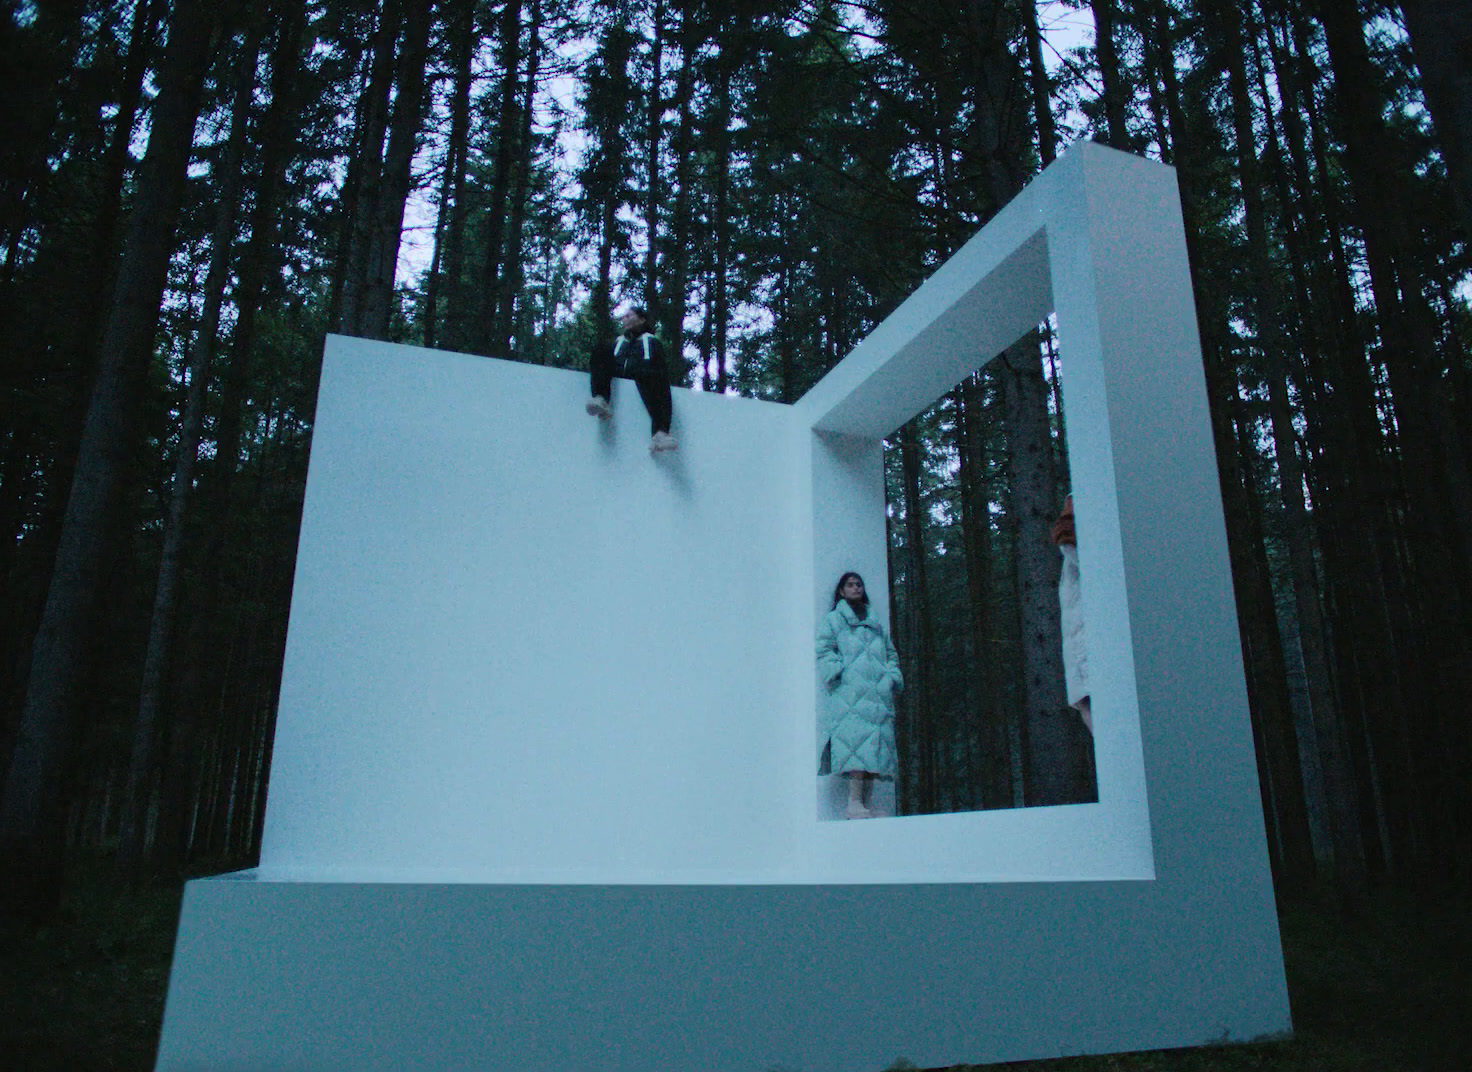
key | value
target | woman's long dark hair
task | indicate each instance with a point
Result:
(838, 588)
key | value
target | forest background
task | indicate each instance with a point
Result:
(193, 193)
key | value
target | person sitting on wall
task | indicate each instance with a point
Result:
(1070, 606)
(860, 668)
(636, 355)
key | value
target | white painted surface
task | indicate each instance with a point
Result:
(729, 978)
(520, 644)
(522, 649)
(480, 694)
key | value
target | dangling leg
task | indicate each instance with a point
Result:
(654, 388)
(600, 375)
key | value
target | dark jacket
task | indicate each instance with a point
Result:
(638, 355)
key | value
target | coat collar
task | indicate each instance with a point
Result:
(853, 619)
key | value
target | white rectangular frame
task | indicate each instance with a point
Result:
(1117, 278)
(336, 971)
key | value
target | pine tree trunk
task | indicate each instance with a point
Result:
(508, 127)
(278, 138)
(782, 331)
(1330, 732)
(920, 703)
(1114, 87)
(196, 683)
(1428, 435)
(376, 295)
(1339, 782)
(141, 46)
(31, 814)
(653, 124)
(1407, 332)
(74, 361)
(720, 308)
(363, 189)
(513, 271)
(137, 793)
(1156, 45)
(1055, 763)
(677, 263)
(1284, 787)
(994, 776)
(1042, 102)
(1348, 462)
(704, 346)
(1055, 767)
(449, 233)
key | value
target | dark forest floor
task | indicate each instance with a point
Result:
(88, 992)
(1387, 989)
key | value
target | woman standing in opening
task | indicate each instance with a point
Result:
(861, 671)
(1071, 617)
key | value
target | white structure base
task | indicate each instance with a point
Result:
(731, 978)
(543, 790)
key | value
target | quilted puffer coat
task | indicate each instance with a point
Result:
(860, 669)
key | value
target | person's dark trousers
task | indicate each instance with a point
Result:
(651, 377)
(601, 369)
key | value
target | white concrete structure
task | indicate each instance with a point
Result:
(542, 793)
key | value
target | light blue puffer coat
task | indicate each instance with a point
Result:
(860, 670)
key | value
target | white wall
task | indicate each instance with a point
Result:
(518, 641)
(525, 658)
(523, 649)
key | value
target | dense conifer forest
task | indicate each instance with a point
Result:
(193, 193)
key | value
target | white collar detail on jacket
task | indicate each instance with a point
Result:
(644, 338)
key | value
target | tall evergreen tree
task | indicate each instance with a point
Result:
(31, 814)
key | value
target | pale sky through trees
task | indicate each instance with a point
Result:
(1064, 29)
